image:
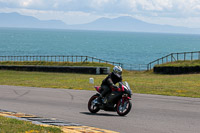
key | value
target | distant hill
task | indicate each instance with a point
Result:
(127, 23)
(17, 20)
(124, 23)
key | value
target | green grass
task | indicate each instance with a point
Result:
(186, 63)
(8, 125)
(187, 85)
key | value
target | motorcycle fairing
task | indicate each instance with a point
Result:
(98, 88)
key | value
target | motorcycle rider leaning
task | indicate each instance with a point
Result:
(109, 82)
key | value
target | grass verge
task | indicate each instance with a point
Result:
(8, 125)
(45, 63)
(187, 85)
(187, 63)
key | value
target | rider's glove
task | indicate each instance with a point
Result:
(115, 87)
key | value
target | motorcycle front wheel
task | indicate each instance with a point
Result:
(92, 106)
(123, 108)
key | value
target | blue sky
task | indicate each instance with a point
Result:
(173, 12)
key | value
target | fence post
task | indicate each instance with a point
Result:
(191, 55)
(199, 55)
(158, 61)
(177, 56)
(184, 56)
(171, 58)
(122, 65)
(148, 67)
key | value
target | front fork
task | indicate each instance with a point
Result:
(123, 102)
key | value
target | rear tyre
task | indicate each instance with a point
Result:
(123, 108)
(92, 106)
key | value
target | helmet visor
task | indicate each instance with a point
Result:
(120, 73)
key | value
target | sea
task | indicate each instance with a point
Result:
(123, 47)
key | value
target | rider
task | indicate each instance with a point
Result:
(109, 82)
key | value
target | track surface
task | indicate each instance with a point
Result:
(150, 113)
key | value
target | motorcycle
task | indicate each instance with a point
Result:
(118, 100)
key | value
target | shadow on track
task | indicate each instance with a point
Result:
(99, 114)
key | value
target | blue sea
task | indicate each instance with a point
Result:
(123, 47)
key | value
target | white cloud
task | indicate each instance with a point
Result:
(27, 3)
(104, 5)
(197, 7)
(99, 2)
(83, 10)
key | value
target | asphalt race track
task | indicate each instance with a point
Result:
(150, 113)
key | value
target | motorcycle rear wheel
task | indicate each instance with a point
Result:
(92, 107)
(123, 108)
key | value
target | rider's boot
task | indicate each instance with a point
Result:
(99, 100)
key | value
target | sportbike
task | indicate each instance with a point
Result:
(117, 100)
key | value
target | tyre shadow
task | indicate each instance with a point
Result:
(100, 114)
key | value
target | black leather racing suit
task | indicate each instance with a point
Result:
(110, 82)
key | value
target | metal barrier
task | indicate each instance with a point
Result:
(72, 59)
(175, 57)
(135, 67)
(138, 67)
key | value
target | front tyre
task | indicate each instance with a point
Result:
(123, 107)
(92, 106)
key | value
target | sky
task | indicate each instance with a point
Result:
(172, 12)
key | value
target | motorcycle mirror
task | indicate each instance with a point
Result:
(91, 80)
